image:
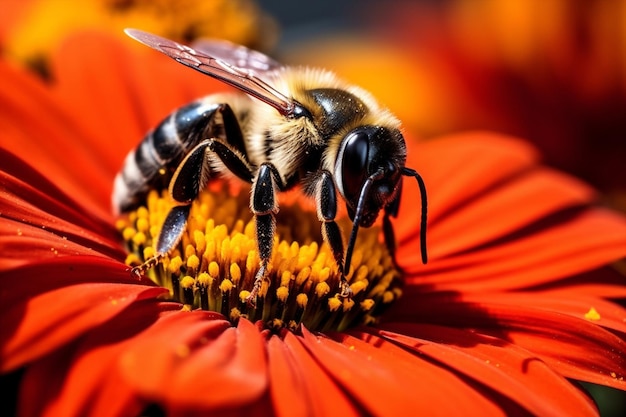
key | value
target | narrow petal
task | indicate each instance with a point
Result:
(299, 385)
(606, 282)
(36, 278)
(16, 211)
(168, 342)
(23, 244)
(27, 211)
(499, 365)
(587, 241)
(498, 212)
(233, 370)
(595, 291)
(373, 376)
(573, 346)
(29, 181)
(39, 324)
(574, 303)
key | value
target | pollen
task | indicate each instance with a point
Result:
(214, 265)
(592, 315)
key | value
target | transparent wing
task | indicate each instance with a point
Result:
(238, 56)
(223, 68)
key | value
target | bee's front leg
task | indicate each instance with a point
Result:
(391, 210)
(326, 202)
(264, 207)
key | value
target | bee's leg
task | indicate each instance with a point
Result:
(232, 128)
(264, 207)
(190, 177)
(391, 210)
(326, 202)
(194, 170)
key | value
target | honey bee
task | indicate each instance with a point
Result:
(292, 126)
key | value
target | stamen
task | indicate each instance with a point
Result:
(215, 264)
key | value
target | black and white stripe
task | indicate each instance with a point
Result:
(152, 163)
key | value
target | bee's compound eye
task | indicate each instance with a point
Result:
(353, 163)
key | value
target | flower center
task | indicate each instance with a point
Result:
(214, 265)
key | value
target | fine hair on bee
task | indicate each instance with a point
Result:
(287, 126)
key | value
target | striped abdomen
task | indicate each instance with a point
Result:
(153, 162)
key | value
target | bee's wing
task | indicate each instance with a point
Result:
(237, 56)
(223, 67)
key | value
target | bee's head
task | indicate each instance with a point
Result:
(368, 171)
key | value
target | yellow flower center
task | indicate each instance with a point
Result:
(214, 265)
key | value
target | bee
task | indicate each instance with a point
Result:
(292, 126)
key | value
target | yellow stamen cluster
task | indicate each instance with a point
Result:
(214, 265)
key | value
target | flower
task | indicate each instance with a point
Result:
(516, 299)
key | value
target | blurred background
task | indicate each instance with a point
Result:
(550, 71)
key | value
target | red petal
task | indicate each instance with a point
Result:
(298, 384)
(149, 362)
(51, 274)
(233, 369)
(195, 361)
(26, 183)
(387, 380)
(27, 213)
(24, 244)
(605, 282)
(40, 129)
(575, 347)
(116, 124)
(505, 209)
(36, 325)
(497, 364)
(79, 381)
(587, 241)
(573, 303)
(458, 167)
(141, 88)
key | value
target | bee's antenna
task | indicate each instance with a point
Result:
(357, 216)
(420, 182)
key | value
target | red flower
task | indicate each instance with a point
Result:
(515, 299)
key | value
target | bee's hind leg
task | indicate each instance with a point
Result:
(190, 177)
(170, 235)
